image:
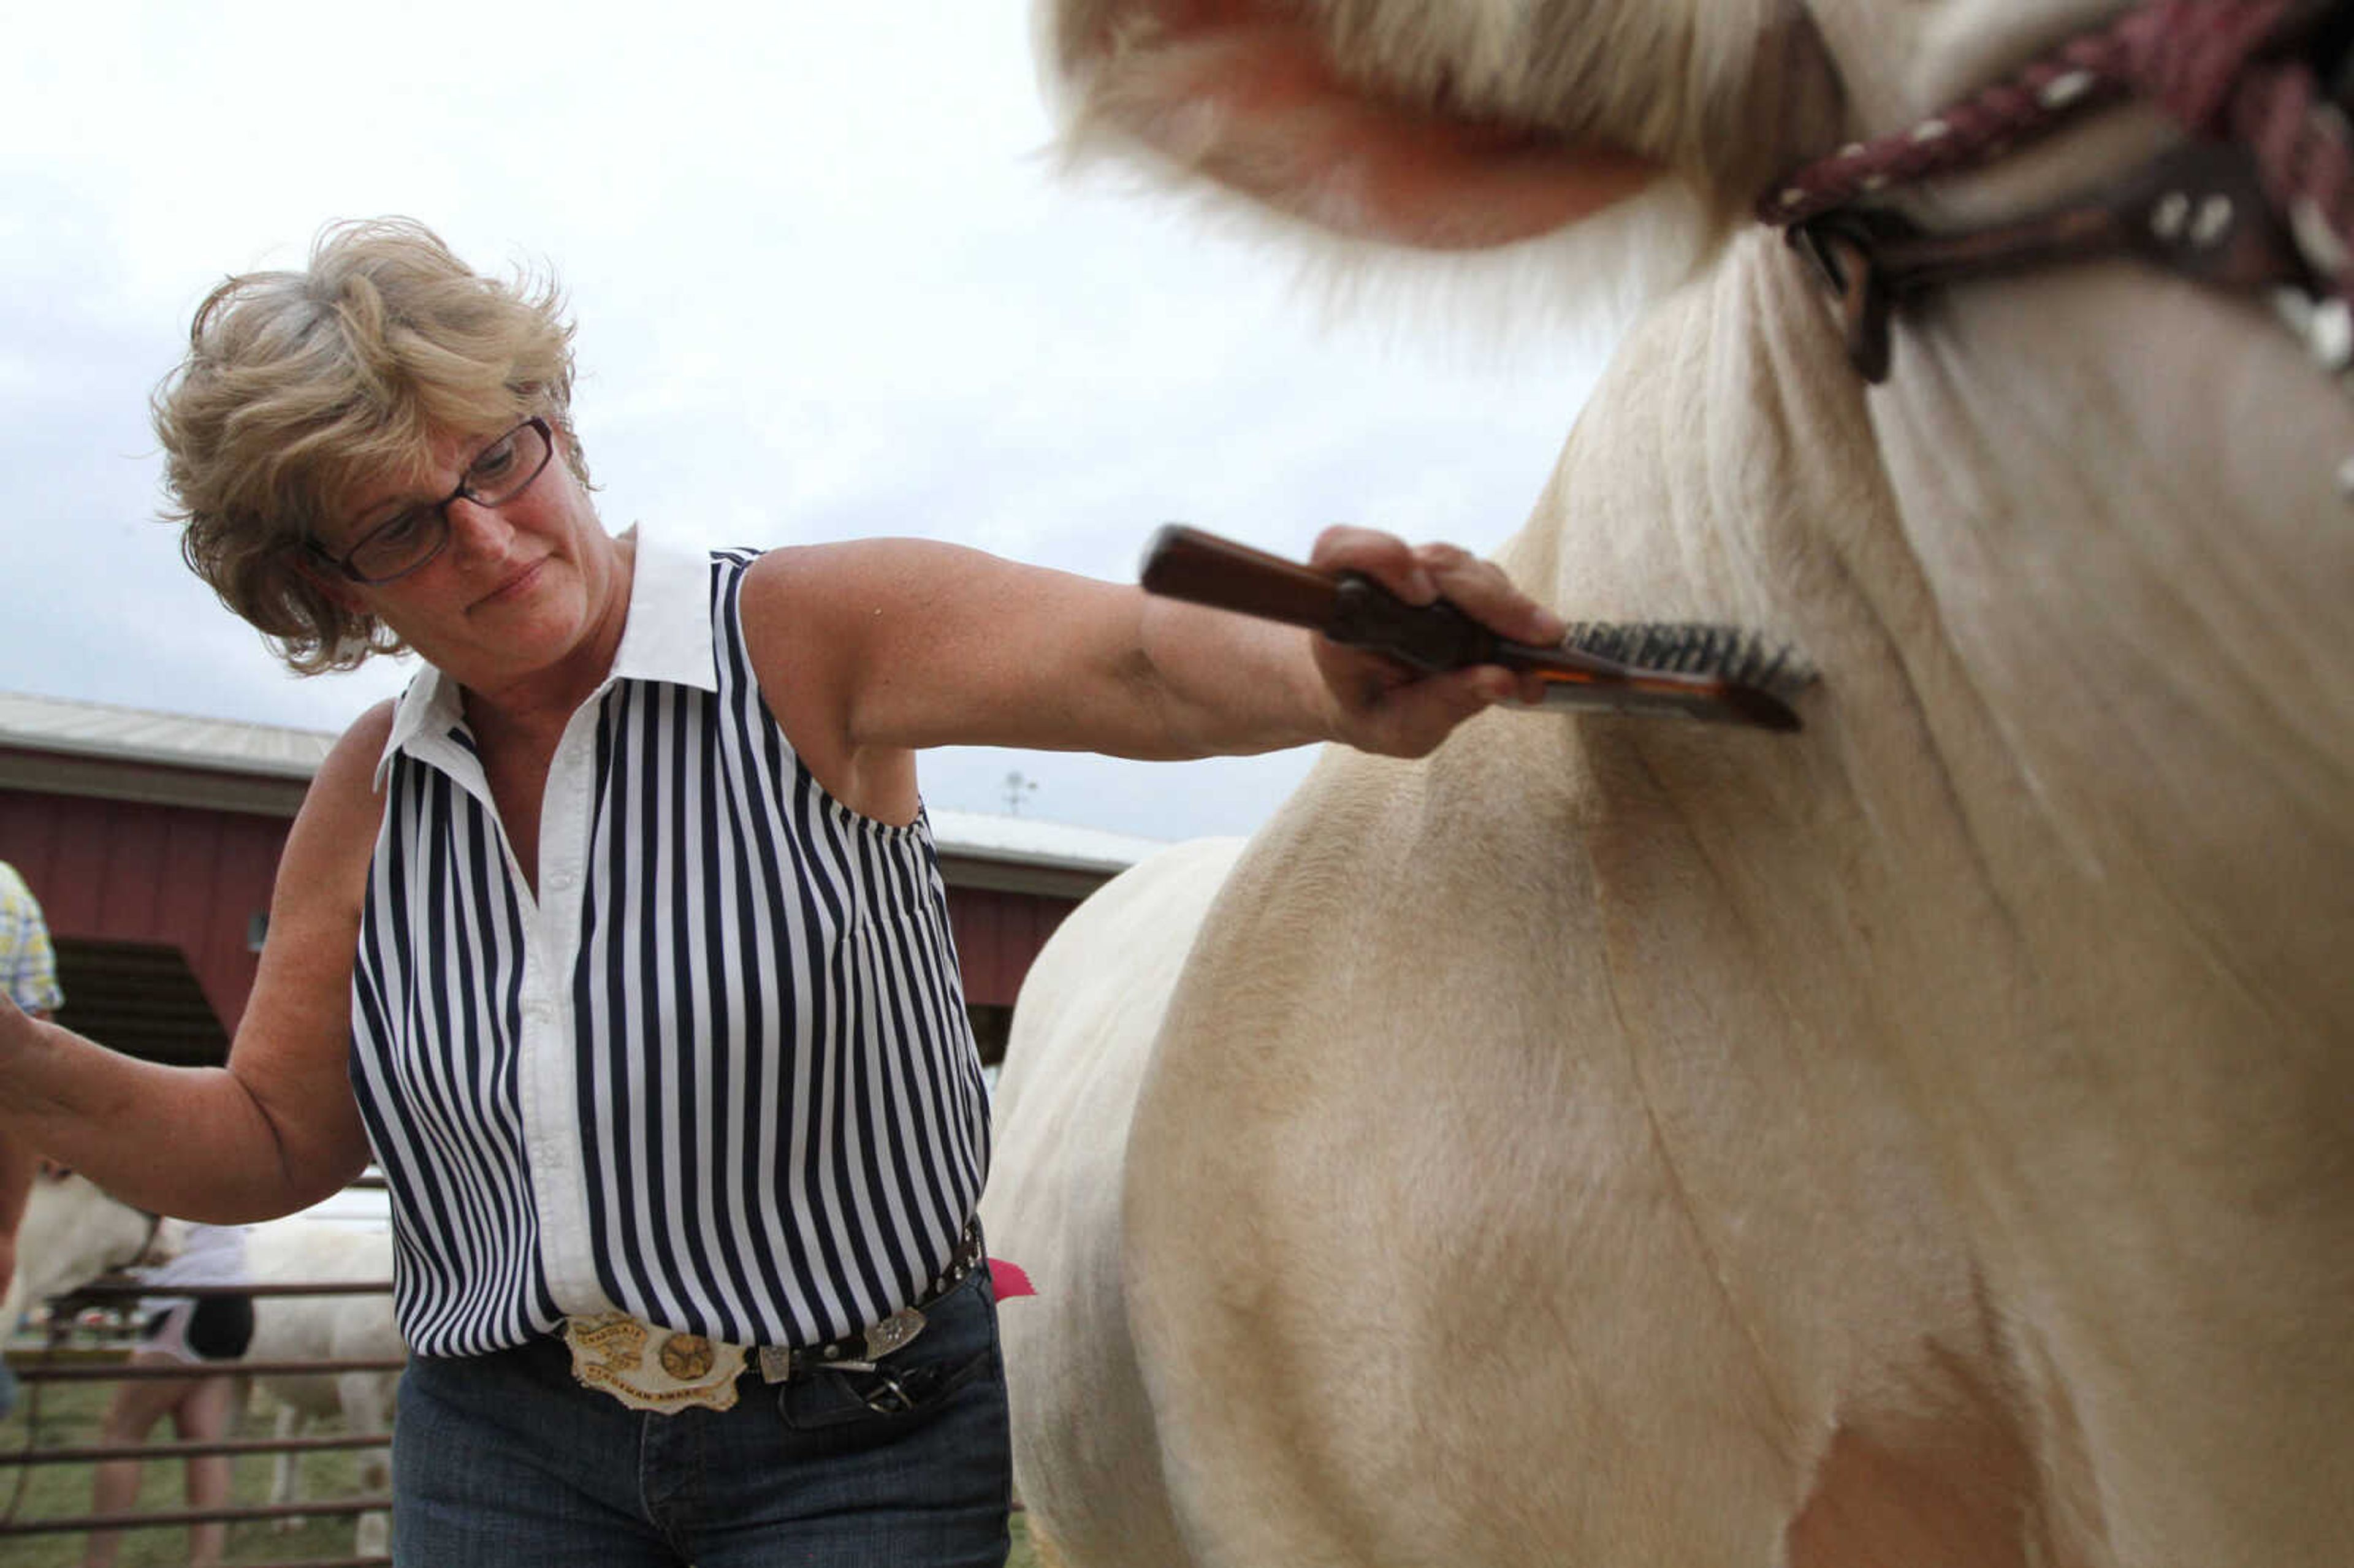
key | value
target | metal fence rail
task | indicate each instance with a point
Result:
(158, 1519)
(34, 1372)
(235, 1448)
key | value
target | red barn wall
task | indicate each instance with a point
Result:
(112, 870)
(195, 877)
(997, 937)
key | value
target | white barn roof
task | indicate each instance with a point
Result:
(1029, 841)
(167, 740)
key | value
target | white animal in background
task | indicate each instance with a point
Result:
(1615, 1142)
(72, 1232)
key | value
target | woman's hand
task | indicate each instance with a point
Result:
(1383, 706)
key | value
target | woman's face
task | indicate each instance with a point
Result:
(531, 587)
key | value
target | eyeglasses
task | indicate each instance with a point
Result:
(500, 472)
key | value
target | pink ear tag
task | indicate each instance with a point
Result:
(1008, 1280)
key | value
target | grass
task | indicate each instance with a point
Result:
(69, 1414)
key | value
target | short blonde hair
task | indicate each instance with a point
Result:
(300, 386)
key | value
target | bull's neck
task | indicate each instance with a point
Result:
(2074, 577)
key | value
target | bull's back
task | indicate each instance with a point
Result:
(319, 1328)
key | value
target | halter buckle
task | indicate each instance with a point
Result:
(1842, 246)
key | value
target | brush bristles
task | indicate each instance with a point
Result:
(1694, 648)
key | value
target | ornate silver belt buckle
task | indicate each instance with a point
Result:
(894, 1332)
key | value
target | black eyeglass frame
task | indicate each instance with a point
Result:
(441, 509)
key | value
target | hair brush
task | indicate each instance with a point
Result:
(1693, 670)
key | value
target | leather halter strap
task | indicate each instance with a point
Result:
(2261, 197)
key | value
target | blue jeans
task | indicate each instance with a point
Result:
(504, 1461)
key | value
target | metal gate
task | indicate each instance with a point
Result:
(56, 1365)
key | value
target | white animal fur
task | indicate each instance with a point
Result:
(1608, 1143)
(73, 1231)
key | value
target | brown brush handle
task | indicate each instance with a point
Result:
(1347, 607)
(1202, 569)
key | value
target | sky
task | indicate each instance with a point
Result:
(829, 282)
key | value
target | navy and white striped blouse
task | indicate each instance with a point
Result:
(717, 1073)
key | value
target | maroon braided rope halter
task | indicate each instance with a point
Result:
(2216, 67)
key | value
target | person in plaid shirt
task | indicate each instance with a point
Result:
(28, 969)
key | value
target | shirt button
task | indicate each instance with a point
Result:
(561, 880)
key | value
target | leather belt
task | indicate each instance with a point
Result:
(860, 1351)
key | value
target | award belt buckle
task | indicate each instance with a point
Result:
(648, 1368)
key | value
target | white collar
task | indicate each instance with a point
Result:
(667, 637)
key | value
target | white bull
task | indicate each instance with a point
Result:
(1928, 1139)
(320, 1328)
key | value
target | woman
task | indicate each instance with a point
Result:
(619, 938)
(184, 1331)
